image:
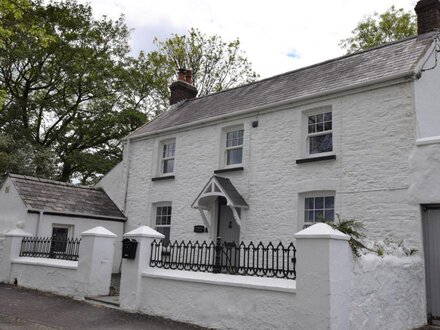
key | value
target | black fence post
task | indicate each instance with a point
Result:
(218, 254)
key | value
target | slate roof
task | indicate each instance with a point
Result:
(363, 67)
(59, 197)
(231, 191)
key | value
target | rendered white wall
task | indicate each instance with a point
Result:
(113, 185)
(388, 293)
(427, 97)
(46, 278)
(373, 135)
(13, 210)
(81, 225)
(425, 176)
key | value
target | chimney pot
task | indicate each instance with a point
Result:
(188, 77)
(181, 74)
(428, 16)
(182, 89)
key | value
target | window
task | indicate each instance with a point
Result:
(234, 147)
(168, 150)
(319, 133)
(163, 221)
(319, 209)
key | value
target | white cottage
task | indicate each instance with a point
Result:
(47, 208)
(357, 136)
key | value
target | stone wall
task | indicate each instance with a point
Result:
(388, 293)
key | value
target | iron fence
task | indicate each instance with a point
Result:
(252, 259)
(40, 247)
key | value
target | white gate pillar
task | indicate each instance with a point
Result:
(131, 273)
(323, 278)
(11, 250)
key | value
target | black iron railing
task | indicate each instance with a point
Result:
(252, 259)
(40, 247)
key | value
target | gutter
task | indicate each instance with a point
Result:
(407, 74)
(79, 215)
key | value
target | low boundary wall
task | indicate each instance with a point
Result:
(89, 276)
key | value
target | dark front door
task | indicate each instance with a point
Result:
(59, 239)
(431, 240)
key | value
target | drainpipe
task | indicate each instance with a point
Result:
(126, 175)
(40, 218)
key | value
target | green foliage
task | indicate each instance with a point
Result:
(352, 228)
(216, 64)
(378, 29)
(65, 87)
(69, 90)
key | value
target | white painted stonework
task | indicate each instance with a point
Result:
(112, 183)
(369, 176)
(89, 276)
(388, 293)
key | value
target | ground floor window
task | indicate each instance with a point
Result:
(319, 209)
(163, 221)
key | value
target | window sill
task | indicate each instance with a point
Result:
(230, 169)
(315, 159)
(160, 178)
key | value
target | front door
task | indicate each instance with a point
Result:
(227, 228)
(431, 238)
(229, 232)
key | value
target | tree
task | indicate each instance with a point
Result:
(69, 90)
(378, 29)
(66, 87)
(216, 64)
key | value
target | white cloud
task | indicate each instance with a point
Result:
(269, 31)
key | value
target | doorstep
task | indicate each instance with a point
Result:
(108, 301)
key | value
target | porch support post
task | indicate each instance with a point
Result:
(324, 270)
(131, 272)
(11, 250)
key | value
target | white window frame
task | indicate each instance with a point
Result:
(302, 206)
(156, 206)
(70, 229)
(225, 148)
(306, 135)
(163, 158)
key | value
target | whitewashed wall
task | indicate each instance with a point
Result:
(13, 210)
(373, 135)
(113, 185)
(388, 293)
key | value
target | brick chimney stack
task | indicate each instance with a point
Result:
(182, 89)
(428, 16)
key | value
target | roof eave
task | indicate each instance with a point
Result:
(78, 215)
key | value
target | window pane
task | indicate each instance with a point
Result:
(329, 215)
(234, 156)
(320, 118)
(328, 126)
(310, 203)
(328, 116)
(319, 202)
(168, 166)
(319, 215)
(312, 128)
(329, 202)
(319, 127)
(320, 143)
(311, 120)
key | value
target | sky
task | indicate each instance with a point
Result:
(277, 35)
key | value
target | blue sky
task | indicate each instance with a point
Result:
(277, 35)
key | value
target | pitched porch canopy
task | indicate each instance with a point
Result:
(220, 187)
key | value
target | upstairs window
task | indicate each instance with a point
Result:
(163, 221)
(319, 209)
(168, 152)
(234, 146)
(319, 133)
